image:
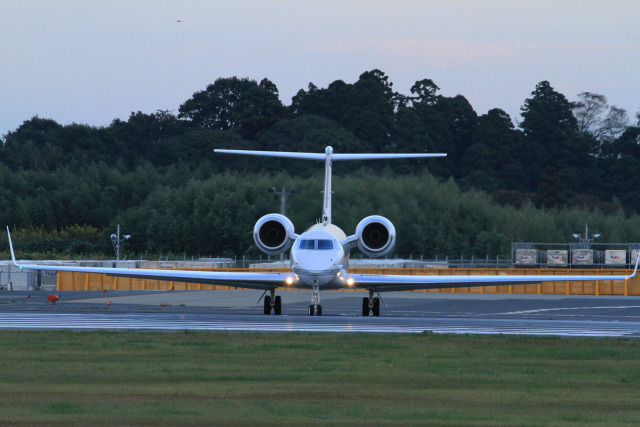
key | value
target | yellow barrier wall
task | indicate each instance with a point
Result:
(72, 281)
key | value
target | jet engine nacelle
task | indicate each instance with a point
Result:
(376, 236)
(272, 234)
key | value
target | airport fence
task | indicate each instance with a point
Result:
(409, 262)
(100, 282)
(13, 279)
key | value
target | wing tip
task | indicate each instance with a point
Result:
(13, 254)
(635, 270)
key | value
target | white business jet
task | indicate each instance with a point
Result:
(319, 256)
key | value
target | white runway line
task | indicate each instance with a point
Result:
(181, 322)
(544, 310)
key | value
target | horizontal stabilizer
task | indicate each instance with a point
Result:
(322, 156)
(364, 156)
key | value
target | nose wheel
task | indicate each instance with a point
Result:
(315, 309)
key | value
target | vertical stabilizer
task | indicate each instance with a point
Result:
(328, 158)
(326, 202)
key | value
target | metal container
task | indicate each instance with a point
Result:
(530, 257)
(587, 257)
(615, 257)
(557, 258)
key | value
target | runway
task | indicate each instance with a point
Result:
(532, 315)
(213, 322)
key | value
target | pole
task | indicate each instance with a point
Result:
(118, 245)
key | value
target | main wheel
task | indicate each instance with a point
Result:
(267, 305)
(365, 306)
(376, 307)
(277, 309)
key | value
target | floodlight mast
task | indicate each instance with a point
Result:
(283, 197)
(118, 242)
(586, 241)
(283, 203)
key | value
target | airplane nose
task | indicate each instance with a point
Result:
(315, 261)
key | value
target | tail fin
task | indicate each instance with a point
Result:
(328, 157)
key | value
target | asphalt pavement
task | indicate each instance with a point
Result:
(240, 310)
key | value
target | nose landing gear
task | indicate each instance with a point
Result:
(315, 308)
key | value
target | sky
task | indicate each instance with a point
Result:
(92, 61)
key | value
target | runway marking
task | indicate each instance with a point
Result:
(210, 322)
(541, 310)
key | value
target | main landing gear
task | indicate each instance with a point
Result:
(371, 305)
(273, 302)
(315, 308)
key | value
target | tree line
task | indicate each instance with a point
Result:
(215, 216)
(157, 174)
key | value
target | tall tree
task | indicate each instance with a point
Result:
(212, 108)
(597, 118)
(369, 110)
(425, 92)
(142, 133)
(233, 103)
(420, 126)
(36, 143)
(329, 102)
(444, 124)
(620, 160)
(257, 109)
(552, 140)
(491, 162)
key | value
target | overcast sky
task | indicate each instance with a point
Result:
(91, 61)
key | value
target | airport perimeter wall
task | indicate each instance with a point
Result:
(68, 281)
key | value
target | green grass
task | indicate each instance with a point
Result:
(108, 378)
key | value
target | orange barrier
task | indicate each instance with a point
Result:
(73, 281)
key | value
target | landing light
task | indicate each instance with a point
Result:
(289, 280)
(350, 281)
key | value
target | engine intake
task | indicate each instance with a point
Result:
(272, 234)
(376, 236)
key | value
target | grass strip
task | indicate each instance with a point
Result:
(218, 378)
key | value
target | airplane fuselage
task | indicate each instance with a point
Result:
(318, 257)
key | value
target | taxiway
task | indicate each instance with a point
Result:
(239, 310)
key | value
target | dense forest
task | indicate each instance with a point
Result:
(539, 177)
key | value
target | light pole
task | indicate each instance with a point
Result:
(283, 202)
(118, 242)
(585, 242)
(283, 197)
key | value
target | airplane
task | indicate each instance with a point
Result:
(319, 256)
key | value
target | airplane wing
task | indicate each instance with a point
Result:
(385, 283)
(269, 281)
(262, 281)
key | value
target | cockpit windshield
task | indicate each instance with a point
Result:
(307, 244)
(325, 244)
(319, 244)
